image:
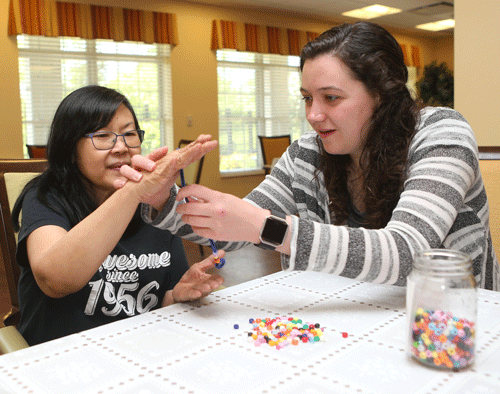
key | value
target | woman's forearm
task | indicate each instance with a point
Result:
(64, 262)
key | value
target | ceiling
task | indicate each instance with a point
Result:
(415, 12)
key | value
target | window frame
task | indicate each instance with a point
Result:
(263, 121)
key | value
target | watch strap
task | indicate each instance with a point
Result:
(265, 246)
(278, 214)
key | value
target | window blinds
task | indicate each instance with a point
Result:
(50, 68)
(259, 94)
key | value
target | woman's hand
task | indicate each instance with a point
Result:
(220, 216)
(148, 163)
(195, 283)
(158, 172)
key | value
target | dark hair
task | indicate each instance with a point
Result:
(83, 111)
(374, 58)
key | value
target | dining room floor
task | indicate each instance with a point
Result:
(241, 266)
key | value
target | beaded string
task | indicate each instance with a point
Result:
(219, 262)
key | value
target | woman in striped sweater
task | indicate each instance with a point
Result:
(378, 179)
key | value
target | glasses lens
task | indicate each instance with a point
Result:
(133, 138)
(104, 140)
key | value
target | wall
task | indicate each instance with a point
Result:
(194, 75)
(11, 143)
(443, 51)
(477, 56)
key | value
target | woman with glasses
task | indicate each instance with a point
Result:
(86, 256)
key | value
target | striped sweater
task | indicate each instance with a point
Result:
(443, 205)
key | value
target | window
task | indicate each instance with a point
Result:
(51, 68)
(259, 94)
(412, 81)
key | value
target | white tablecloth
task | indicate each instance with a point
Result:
(194, 348)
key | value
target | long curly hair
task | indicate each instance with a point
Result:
(374, 58)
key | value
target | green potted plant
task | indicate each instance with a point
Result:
(436, 86)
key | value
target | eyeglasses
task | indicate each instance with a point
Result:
(106, 140)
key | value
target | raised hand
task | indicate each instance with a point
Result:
(158, 171)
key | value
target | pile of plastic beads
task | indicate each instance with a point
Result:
(280, 332)
(442, 340)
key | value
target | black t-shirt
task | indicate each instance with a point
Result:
(133, 279)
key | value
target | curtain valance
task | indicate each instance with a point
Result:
(53, 19)
(414, 59)
(265, 39)
(262, 39)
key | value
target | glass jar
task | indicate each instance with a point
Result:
(441, 306)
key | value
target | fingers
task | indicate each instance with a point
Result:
(119, 183)
(130, 174)
(204, 141)
(204, 289)
(209, 286)
(158, 153)
(143, 163)
(210, 261)
(196, 282)
(198, 200)
(197, 150)
(197, 191)
(167, 168)
(133, 173)
(221, 253)
(181, 158)
(201, 139)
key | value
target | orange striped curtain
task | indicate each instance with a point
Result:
(405, 54)
(273, 38)
(293, 42)
(262, 39)
(311, 36)
(252, 38)
(267, 39)
(414, 59)
(53, 19)
(415, 56)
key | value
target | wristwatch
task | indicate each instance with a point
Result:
(273, 232)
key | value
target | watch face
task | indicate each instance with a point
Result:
(274, 231)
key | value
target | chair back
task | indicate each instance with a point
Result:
(192, 173)
(14, 174)
(37, 151)
(490, 171)
(273, 147)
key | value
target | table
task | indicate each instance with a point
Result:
(194, 347)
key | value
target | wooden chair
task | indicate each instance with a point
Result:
(192, 175)
(37, 151)
(273, 148)
(14, 174)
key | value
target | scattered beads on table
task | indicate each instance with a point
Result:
(283, 331)
(442, 340)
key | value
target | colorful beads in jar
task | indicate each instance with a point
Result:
(442, 340)
(441, 305)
